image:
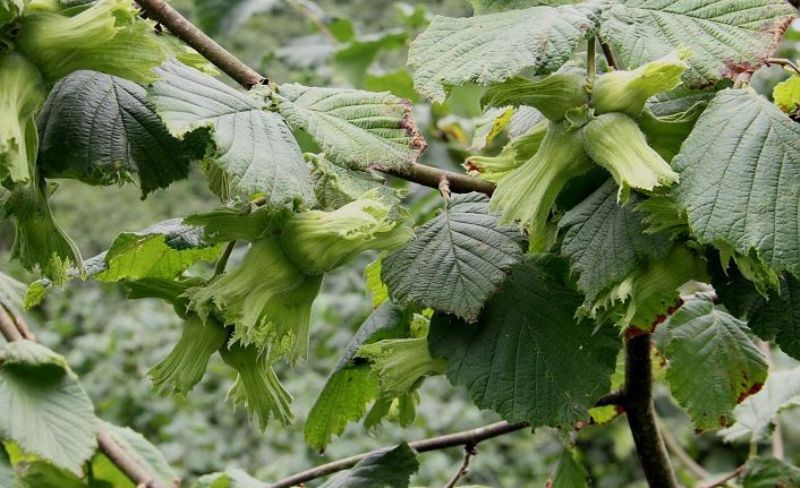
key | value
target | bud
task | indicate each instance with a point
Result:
(615, 142)
(318, 241)
(21, 94)
(107, 37)
(186, 364)
(628, 91)
(553, 95)
(516, 152)
(257, 387)
(527, 193)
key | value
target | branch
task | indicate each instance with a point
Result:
(465, 438)
(118, 456)
(724, 480)
(170, 18)
(641, 414)
(469, 451)
(683, 457)
(611, 59)
(229, 64)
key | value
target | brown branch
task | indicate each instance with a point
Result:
(170, 18)
(121, 459)
(724, 480)
(608, 52)
(465, 438)
(641, 414)
(8, 328)
(469, 451)
(229, 64)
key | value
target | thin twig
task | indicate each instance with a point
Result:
(223, 260)
(229, 64)
(469, 451)
(591, 61)
(680, 453)
(784, 63)
(128, 465)
(724, 479)
(468, 437)
(8, 328)
(608, 52)
(164, 14)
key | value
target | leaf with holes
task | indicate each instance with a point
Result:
(354, 128)
(605, 242)
(492, 48)
(725, 37)
(457, 261)
(739, 170)
(708, 346)
(163, 250)
(253, 151)
(43, 408)
(528, 358)
(102, 130)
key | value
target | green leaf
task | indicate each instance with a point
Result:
(101, 130)
(351, 387)
(389, 468)
(336, 186)
(742, 146)
(495, 47)
(376, 288)
(146, 455)
(43, 408)
(354, 128)
(528, 358)
(488, 6)
(606, 242)
(755, 415)
(40, 474)
(763, 472)
(457, 261)
(708, 346)
(569, 473)
(786, 94)
(224, 16)
(163, 250)
(252, 152)
(726, 37)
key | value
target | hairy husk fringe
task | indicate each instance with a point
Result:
(615, 142)
(318, 242)
(108, 37)
(22, 92)
(513, 154)
(400, 363)
(257, 387)
(553, 95)
(527, 193)
(186, 364)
